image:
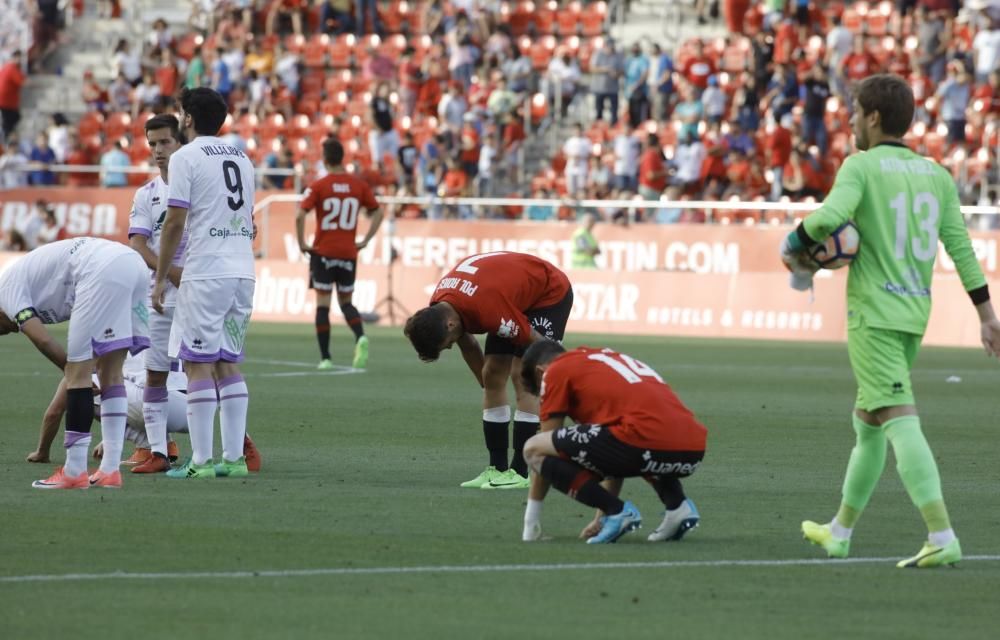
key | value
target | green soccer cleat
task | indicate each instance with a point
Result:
(934, 556)
(235, 469)
(508, 479)
(820, 534)
(189, 470)
(325, 365)
(361, 353)
(488, 475)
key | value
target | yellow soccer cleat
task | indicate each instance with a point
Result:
(820, 534)
(934, 556)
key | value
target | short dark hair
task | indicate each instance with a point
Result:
(333, 152)
(165, 121)
(539, 353)
(427, 330)
(207, 108)
(892, 97)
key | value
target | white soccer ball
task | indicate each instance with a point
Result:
(839, 250)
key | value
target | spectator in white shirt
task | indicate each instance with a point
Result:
(714, 100)
(986, 50)
(577, 151)
(563, 75)
(126, 62)
(59, 136)
(12, 163)
(688, 158)
(627, 148)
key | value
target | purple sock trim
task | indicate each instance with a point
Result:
(234, 396)
(154, 394)
(194, 386)
(70, 438)
(201, 400)
(115, 415)
(114, 391)
(225, 382)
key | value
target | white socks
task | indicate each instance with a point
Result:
(154, 413)
(941, 538)
(532, 521)
(233, 400)
(840, 531)
(114, 412)
(201, 405)
(77, 447)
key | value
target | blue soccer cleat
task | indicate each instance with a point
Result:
(614, 527)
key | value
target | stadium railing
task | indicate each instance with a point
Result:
(715, 212)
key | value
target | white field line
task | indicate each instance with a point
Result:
(281, 363)
(480, 568)
(298, 374)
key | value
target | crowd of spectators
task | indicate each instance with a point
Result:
(440, 97)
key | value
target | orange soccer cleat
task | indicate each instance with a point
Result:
(138, 457)
(251, 454)
(59, 480)
(155, 464)
(172, 451)
(106, 480)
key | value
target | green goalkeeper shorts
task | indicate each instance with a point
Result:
(881, 360)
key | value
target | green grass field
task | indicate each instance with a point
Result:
(361, 472)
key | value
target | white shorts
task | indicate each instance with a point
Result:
(212, 318)
(109, 310)
(157, 358)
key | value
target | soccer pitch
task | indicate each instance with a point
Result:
(356, 527)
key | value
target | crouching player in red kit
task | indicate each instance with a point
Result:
(629, 423)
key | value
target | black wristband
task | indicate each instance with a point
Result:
(807, 242)
(980, 295)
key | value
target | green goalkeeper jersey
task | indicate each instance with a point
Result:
(902, 205)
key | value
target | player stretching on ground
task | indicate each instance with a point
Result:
(337, 199)
(516, 299)
(212, 191)
(103, 285)
(629, 424)
(149, 209)
(134, 376)
(902, 204)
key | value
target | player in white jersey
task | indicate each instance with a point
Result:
(100, 287)
(149, 210)
(211, 194)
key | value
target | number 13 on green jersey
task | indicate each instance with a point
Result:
(902, 204)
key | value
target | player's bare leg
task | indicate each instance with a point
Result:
(323, 329)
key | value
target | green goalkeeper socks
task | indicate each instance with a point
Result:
(863, 471)
(918, 471)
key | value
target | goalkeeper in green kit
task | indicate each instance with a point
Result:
(902, 205)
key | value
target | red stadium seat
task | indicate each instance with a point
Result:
(544, 17)
(117, 125)
(91, 123)
(593, 17)
(541, 52)
(340, 51)
(314, 51)
(568, 19)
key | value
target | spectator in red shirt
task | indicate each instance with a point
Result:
(79, 155)
(93, 94)
(167, 76)
(786, 41)
(779, 150)
(698, 68)
(735, 12)
(652, 170)
(410, 79)
(11, 81)
(860, 63)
